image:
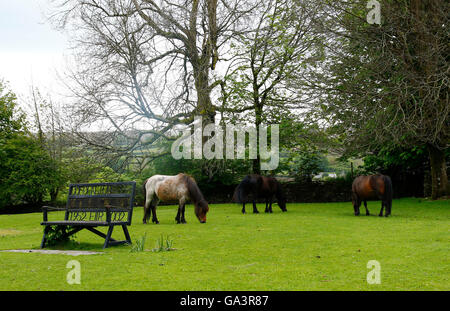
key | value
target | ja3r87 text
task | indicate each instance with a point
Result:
(246, 300)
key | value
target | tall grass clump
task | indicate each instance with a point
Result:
(139, 246)
(164, 243)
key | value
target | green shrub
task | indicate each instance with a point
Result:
(58, 234)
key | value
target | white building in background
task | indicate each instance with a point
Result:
(327, 174)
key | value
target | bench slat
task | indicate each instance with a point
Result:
(82, 223)
(111, 195)
(97, 209)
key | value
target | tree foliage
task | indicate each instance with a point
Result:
(26, 172)
(387, 85)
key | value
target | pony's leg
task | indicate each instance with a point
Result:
(148, 214)
(144, 219)
(267, 206)
(255, 210)
(365, 205)
(147, 211)
(243, 208)
(382, 207)
(356, 206)
(180, 215)
(177, 218)
(154, 203)
(388, 208)
(183, 208)
(270, 205)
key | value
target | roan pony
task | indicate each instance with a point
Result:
(259, 187)
(181, 188)
(372, 187)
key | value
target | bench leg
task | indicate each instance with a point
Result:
(44, 237)
(127, 235)
(108, 236)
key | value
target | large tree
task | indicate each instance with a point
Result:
(258, 86)
(388, 84)
(143, 67)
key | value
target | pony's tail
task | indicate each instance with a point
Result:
(144, 190)
(237, 196)
(239, 192)
(388, 191)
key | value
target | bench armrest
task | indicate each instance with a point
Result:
(44, 213)
(45, 210)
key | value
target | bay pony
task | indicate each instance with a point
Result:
(372, 187)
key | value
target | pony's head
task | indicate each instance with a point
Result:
(281, 198)
(282, 204)
(201, 208)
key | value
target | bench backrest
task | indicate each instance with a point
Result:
(87, 202)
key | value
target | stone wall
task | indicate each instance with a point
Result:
(318, 191)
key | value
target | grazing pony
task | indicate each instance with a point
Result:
(179, 188)
(372, 187)
(259, 187)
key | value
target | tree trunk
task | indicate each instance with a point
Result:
(204, 108)
(54, 194)
(439, 179)
(256, 163)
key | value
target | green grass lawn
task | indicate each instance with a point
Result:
(320, 246)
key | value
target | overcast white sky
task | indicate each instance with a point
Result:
(30, 50)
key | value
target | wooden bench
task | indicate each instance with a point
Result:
(95, 205)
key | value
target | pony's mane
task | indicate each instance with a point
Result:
(194, 191)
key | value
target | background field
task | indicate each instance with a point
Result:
(319, 246)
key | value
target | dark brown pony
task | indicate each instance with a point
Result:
(258, 186)
(372, 187)
(179, 188)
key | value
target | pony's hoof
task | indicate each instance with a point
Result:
(255, 212)
(381, 215)
(367, 214)
(155, 222)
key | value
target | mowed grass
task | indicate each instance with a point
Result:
(320, 246)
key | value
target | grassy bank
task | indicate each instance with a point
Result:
(318, 246)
